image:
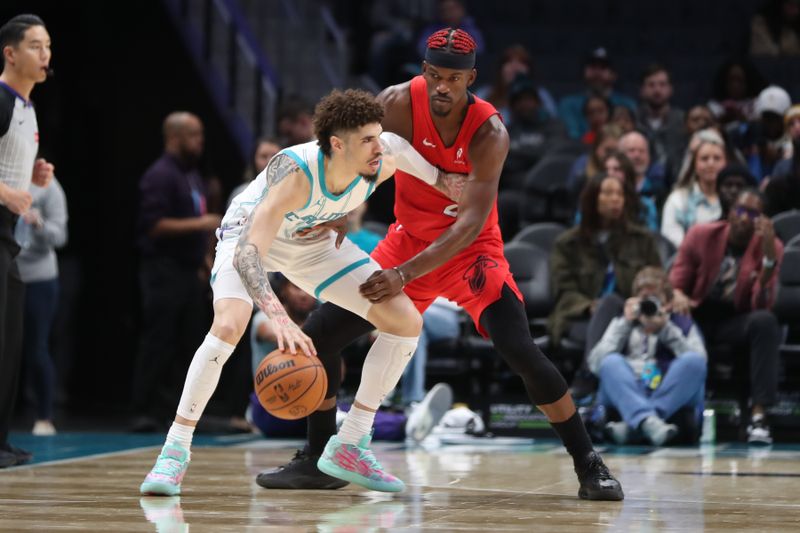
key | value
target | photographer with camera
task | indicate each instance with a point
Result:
(651, 363)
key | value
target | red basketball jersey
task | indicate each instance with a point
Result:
(422, 210)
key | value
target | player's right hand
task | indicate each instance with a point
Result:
(17, 201)
(290, 337)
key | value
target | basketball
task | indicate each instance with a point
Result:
(290, 386)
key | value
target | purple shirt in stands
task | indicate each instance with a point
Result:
(169, 189)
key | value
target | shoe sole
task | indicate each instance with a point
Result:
(435, 404)
(615, 496)
(301, 483)
(340, 473)
(150, 488)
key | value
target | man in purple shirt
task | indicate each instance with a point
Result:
(174, 227)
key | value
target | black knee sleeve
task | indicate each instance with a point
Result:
(507, 325)
(331, 329)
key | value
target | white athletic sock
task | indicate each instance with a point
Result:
(181, 434)
(203, 376)
(357, 424)
(383, 367)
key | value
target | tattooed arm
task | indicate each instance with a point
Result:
(398, 153)
(287, 190)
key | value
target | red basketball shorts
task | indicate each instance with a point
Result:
(473, 279)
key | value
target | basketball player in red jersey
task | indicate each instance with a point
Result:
(446, 242)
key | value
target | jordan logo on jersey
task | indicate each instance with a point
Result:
(475, 274)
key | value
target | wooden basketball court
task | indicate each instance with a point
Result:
(524, 487)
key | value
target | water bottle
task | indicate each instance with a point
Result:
(709, 435)
(22, 233)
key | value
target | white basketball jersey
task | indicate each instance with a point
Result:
(321, 206)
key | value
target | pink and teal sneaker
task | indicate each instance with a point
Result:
(166, 476)
(357, 464)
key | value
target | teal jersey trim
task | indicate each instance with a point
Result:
(333, 279)
(307, 171)
(321, 163)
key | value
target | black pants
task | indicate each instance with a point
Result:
(332, 328)
(12, 302)
(753, 336)
(172, 317)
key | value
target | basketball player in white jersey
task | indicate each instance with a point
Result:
(270, 227)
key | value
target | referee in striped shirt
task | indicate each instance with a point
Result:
(25, 47)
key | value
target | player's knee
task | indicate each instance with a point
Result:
(227, 328)
(398, 316)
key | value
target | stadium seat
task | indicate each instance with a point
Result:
(531, 269)
(787, 225)
(541, 234)
(546, 190)
(794, 242)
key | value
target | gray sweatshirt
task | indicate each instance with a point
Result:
(37, 259)
(639, 348)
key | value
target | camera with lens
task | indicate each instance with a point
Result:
(649, 306)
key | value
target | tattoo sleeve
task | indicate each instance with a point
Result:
(248, 260)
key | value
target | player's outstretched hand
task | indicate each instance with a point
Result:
(381, 285)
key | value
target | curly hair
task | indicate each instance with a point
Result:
(342, 111)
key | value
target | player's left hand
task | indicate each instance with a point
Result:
(381, 285)
(42, 173)
(338, 225)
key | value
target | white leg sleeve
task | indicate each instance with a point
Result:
(383, 367)
(203, 376)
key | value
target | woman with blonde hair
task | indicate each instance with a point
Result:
(694, 199)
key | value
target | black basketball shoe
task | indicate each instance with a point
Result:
(299, 473)
(597, 483)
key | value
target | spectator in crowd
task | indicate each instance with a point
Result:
(294, 122)
(265, 148)
(531, 131)
(736, 85)
(662, 124)
(174, 231)
(650, 176)
(783, 190)
(597, 258)
(641, 209)
(698, 118)
(791, 128)
(775, 29)
(41, 230)
(596, 113)
(623, 117)
(695, 199)
(731, 181)
(391, 46)
(726, 273)
(589, 165)
(451, 14)
(651, 362)
(514, 62)
(599, 77)
(762, 141)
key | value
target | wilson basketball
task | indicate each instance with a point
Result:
(290, 386)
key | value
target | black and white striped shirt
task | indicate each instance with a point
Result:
(19, 139)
